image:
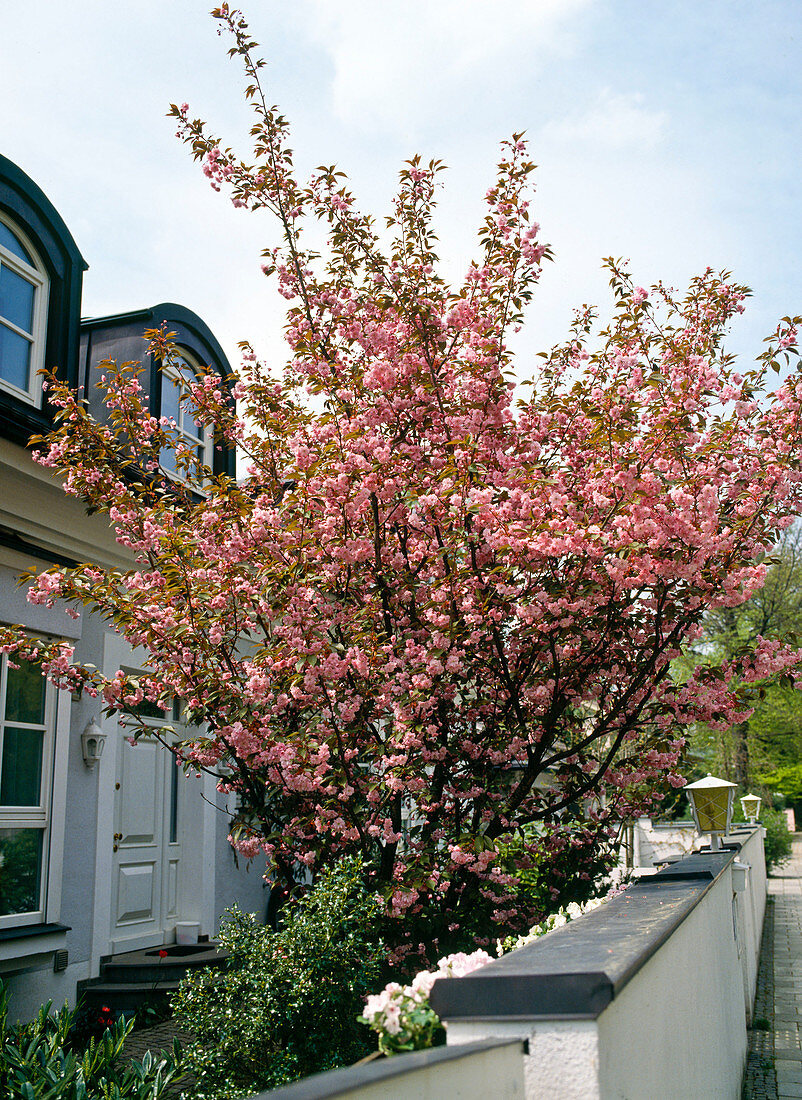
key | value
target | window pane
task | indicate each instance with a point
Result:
(20, 870)
(171, 391)
(16, 299)
(15, 358)
(185, 369)
(189, 425)
(147, 709)
(25, 694)
(167, 459)
(10, 241)
(21, 767)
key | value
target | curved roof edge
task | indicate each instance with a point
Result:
(170, 312)
(13, 175)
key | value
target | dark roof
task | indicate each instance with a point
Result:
(185, 322)
(22, 198)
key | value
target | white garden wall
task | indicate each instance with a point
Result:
(680, 997)
(647, 997)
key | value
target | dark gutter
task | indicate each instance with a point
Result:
(12, 541)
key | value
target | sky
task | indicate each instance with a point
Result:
(666, 133)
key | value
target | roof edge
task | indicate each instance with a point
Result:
(23, 183)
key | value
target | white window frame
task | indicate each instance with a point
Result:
(171, 375)
(48, 816)
(36, 275)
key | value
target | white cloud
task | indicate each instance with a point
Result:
(393, 62)
(648, 145)
(615, 121)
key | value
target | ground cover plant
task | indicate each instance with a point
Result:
(434, 626)
(41, 1060)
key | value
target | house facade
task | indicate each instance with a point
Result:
(98, 857)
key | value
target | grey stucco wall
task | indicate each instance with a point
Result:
(80, 832)
(243, 885)
(14, 608)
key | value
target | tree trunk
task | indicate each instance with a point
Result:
(740, 734)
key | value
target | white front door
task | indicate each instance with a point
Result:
(146, 845)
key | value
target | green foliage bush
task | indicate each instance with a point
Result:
(286, 1003)
(778, 838)
(37, 1062)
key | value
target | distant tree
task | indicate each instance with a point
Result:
(435, 626)
(785, 780)
(770, 733)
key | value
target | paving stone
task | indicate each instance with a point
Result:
(786, 1078)
(774, 1062)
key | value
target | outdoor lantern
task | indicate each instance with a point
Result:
(92, 741)
(740, 875)
(750, 804)
(711, 803)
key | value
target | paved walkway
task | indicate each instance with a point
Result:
(159, 1039)
(774, 1068)
(155, 1039)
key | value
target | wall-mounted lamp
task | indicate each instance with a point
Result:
(711, 803)
(750, 804)
(740, 875)
(92, 741)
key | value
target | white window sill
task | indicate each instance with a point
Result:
(25, 941)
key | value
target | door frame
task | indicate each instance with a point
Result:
(118, 654)
(161, 852)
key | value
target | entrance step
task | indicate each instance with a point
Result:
(122, 998)
(156, 964)
(132, 978)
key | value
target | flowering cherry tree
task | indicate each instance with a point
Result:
(435, 623)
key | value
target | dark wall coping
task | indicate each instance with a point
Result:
(340, 1082)
(576, 971)
(23, 931)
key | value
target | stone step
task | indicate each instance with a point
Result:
(122, 998)
(133, 978)
(149, 965)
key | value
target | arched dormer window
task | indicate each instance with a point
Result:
(196, 438)
(120, 337)
(24, 288)
(41, 271)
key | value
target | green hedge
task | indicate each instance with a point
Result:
(286, 1003)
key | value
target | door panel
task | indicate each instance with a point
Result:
(140, 797)
(171, 890)
(147, 849)
(135, 892)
